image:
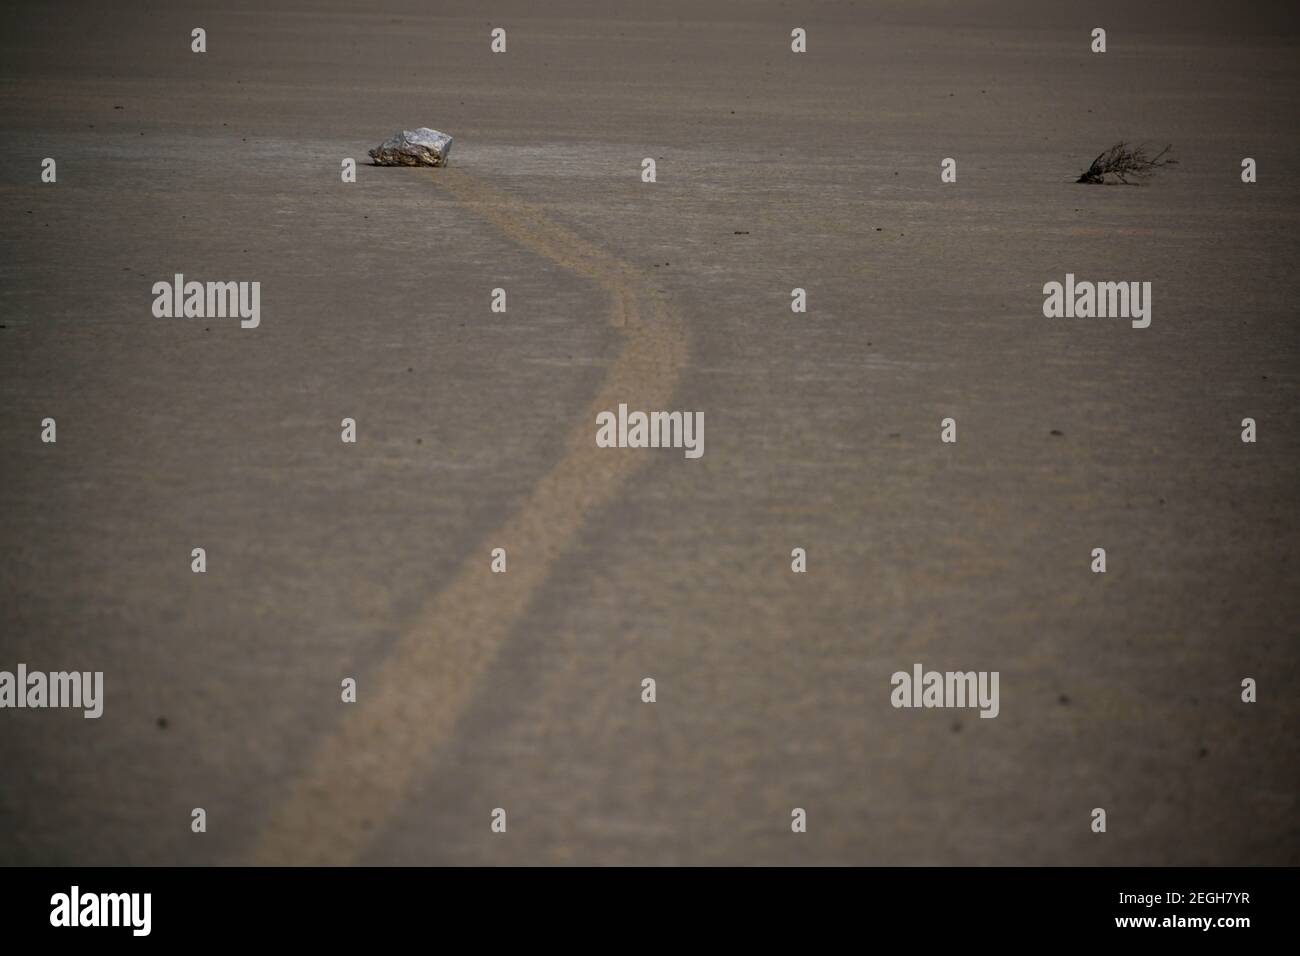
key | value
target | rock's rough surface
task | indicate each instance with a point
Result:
(413, 147)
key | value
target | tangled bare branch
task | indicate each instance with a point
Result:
(1122, 163)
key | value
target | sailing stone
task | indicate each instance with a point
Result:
(418, 147)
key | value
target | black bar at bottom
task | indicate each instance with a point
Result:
(464, 906)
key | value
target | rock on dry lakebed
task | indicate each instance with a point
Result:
(413, 147)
